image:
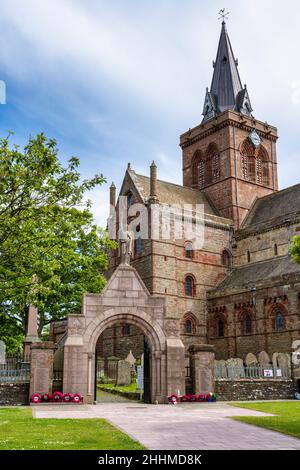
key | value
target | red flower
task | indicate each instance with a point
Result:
(36, 398)
(173, 399)
(67, 397)
(57, 396)
(76, 398)
(202, 397)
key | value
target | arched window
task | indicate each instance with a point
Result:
(129, 199)
(189, 250)
(259, 173)
(279, 321)
(244, 165)
(213, 164)
(226, 258)
(248, 169)
(189, 286)
(255, 163)
(263, 177)
(198, 169)
(188, 327)
(216, 168)
(189, 324)
(201, 173)
(248, 324)
(221, 328)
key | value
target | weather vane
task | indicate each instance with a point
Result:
(223, 15)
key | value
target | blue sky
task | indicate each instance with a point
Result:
(118, 81)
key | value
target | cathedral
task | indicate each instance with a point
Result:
(241, 291)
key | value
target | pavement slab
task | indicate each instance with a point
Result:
(191, 426)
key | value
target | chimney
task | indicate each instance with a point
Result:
(112, 195)
(153, 181)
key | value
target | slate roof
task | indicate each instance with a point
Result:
(275, 207)
(250, 275)
(170, 193)
(226, 90)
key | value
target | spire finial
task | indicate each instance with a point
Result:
(223, 15)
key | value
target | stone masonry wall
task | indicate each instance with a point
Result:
(264, 337)
(232, 195)
(262, 245)
(117, 342)
(240, 390)
(14, 394)
(163, 266)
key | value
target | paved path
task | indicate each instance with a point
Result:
(187, 426)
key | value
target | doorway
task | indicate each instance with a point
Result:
(122, 365)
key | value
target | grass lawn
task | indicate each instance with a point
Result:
(18, 431)
(132, 388)
(287, 419)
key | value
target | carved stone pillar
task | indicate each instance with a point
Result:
(41, 373)
(202, 367)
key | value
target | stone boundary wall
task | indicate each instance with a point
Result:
(254, 389)
(14, 394)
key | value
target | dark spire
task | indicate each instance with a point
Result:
(226, 90)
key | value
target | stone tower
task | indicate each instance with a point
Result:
(230, 156)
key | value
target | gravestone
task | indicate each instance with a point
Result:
(124, 373)
(131, 359)
(235, 368)
(221, 369)
(264, 359)
(251, 360)
(282, 361)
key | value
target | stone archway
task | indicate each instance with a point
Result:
(150, 329)
(125, 299)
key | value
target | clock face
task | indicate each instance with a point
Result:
(255, 139)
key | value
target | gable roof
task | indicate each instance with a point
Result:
(248, 276)
(170, 193)
(274, 208)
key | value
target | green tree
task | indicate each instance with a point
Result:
(51, 251)
(295, 249)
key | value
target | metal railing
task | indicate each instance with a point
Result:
(251, 372)
(107, 369)
(15, 368)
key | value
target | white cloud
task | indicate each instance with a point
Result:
(100, 200)
(154, 57)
